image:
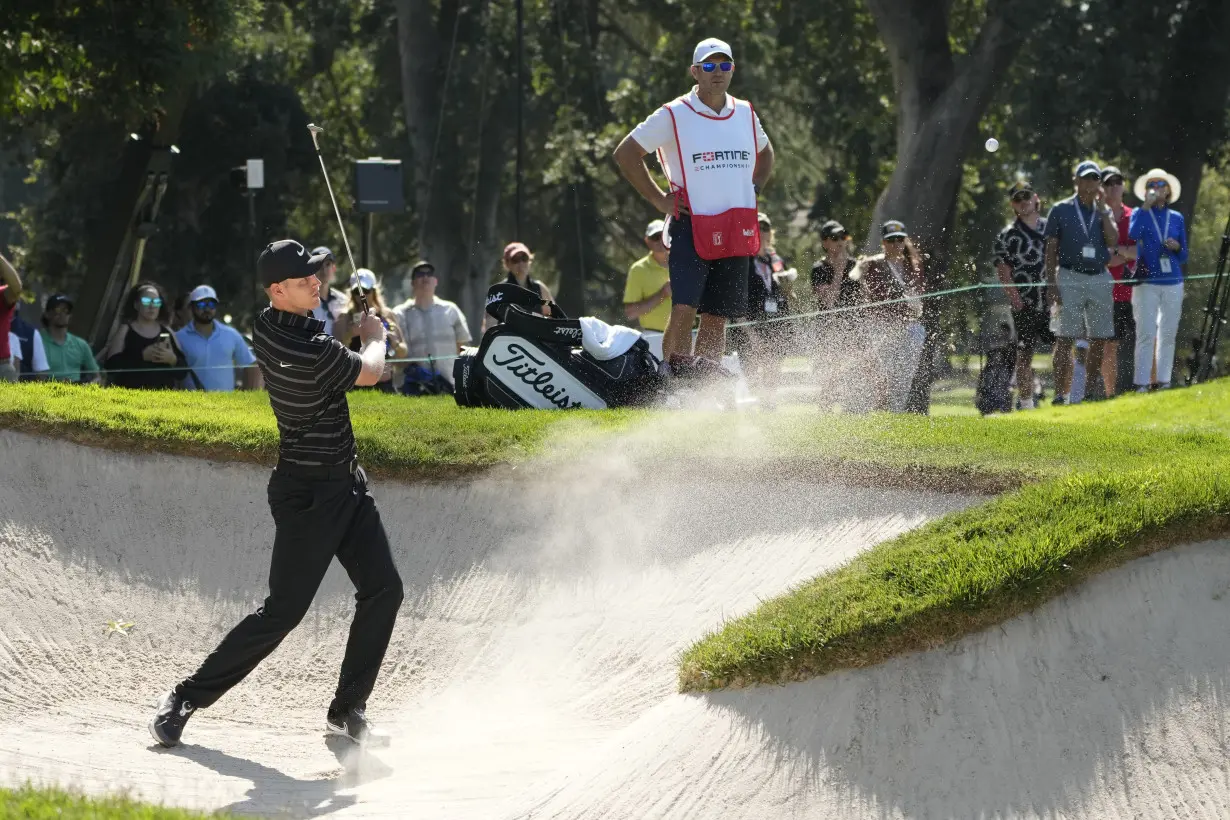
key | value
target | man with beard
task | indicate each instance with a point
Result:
(212, 348)
(69, 357)
(1020, 255)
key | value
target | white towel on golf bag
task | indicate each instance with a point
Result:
(603, 341)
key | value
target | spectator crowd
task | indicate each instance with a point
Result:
(1096, 280)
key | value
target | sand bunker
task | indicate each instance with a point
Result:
(532, 673)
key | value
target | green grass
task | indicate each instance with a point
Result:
(55, 804)
(1087, 487)
(1130, 476)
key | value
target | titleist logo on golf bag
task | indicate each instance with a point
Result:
(568, 332)
(535, 377)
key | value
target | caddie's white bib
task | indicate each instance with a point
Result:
(717, 157)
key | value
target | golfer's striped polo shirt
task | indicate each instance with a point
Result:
(307, 373)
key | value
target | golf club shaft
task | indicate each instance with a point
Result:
(353, 269)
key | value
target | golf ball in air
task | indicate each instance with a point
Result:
(992, 145)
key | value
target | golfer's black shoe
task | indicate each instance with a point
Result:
(352, 723)
(168, 722)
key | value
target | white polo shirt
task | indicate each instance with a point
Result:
(657, 133)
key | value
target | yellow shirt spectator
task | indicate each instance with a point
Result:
(645, 278)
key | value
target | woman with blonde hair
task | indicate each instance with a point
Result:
(346, 328)
(895, 330)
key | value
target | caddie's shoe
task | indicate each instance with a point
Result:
(168, 723)
(352, 723)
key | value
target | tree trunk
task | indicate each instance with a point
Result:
(1193, 96)
(939, 105)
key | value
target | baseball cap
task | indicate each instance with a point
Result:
(202, 292)
(514, 248)
(655, 228)
(1087, 169)
(57, 299)
(322, 251)
(422, 268)
(1020, 186)
(893, 228)
(833, 230)
(708, 47)
(1110, 172)
(763, 219)
(287, 259)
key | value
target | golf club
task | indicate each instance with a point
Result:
(354, 282)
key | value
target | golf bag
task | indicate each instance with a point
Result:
(994, 392)
(536, 361)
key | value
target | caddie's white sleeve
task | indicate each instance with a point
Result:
(656, 131)
(762, 139)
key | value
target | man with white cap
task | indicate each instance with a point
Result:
(213, 348)
(1081, 239)
(716, 157)
(647, 294)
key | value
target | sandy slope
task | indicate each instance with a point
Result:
(532, 672)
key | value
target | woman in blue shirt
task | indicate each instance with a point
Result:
(1161, 252)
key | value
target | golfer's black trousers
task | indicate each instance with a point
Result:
(319, 513)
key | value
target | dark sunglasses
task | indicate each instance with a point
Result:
(1114, 181)
(895, 240)
(151, 301)
(519, 258)
(709, 68)
(206, 304)
(1022, 196)
(1158, 184)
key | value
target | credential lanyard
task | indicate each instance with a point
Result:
(1162, 237)
(1080, 217)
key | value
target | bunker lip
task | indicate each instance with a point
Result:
(954, 480)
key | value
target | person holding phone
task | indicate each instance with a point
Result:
(1157, 302)
(143, 352)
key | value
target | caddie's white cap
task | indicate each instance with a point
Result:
(202, 292)
(708, 47)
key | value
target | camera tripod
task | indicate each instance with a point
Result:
(1204, 346)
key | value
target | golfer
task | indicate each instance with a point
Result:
(319, 498)
(716, 157)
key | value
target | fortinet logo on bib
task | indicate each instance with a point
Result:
(712, 160)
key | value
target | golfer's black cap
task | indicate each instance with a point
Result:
(57, 299)
(287, 259)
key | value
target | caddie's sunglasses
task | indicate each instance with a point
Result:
(709, 68)
(151, 301)
(206, 304)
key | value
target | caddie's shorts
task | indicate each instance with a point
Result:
(1086, 309)
(717, 287)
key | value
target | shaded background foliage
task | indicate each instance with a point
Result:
(433, 83)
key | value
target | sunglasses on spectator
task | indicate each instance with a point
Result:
(206, 304)
(709, 68)
(895, 240)
(519, 258)
(1159, 183)
(1022, 196)
(151, 301)
(1114, 181)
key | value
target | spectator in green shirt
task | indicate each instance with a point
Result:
(68, 356)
